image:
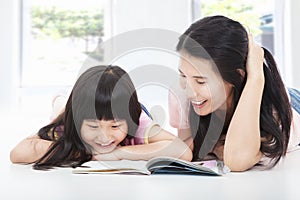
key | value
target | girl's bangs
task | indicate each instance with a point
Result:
(112, 102)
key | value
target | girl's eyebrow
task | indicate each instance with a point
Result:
(91, 120)
(118, 120)
(198, 77)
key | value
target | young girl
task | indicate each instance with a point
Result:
(102, 120)
(235, 105)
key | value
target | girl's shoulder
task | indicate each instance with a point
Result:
(178, 106)
(141, 136)
(56, 132)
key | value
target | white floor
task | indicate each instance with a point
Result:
(21, 182)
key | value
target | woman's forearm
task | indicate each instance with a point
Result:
(242, 144)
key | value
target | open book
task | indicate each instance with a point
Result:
(158, 165)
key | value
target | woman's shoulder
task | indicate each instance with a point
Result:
(294, 140)
(294, 97)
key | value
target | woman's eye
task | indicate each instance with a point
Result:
(201, 82)
(182, 76)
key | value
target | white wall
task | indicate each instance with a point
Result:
(9, 51)
(295, 41)
(126, 15)
(287, 40)
(141, 36)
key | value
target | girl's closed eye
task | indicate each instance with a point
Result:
(115, 126)
(119, 125)
(93, 126)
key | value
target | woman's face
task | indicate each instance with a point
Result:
(103, 136)
(204, 87)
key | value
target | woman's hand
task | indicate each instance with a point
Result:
(255, 59)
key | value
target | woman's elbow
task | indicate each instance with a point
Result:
(237, 166)
(240, 163)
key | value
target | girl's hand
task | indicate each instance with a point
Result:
(255, 59)
(111, 156)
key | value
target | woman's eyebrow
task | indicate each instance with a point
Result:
(202, 77)
(198, 77)
(180, 71)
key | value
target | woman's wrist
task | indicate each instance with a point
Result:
(256, 80)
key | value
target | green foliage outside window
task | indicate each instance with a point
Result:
(234, 9)
(58, 23)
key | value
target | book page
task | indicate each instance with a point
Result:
(177, 166)
(113, 167)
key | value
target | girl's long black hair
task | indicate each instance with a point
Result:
(225, 42)
(101, 92)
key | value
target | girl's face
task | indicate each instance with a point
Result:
(103, 136)
(205, 88)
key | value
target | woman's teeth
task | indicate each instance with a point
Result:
(198, 102)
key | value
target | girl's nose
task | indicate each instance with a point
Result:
(103, 135)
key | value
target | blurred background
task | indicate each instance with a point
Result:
(45, 42)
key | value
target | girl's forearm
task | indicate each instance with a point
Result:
(186, 136)
(242, 144)
(29, 150)
(173, 148)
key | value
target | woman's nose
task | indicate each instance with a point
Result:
(190, 92)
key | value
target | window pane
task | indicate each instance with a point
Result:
(57, 37)
(256, 15)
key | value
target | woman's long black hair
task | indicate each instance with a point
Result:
(101, 92)
(225, 42)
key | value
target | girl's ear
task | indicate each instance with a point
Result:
(241, 72)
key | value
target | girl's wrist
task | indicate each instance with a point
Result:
(117, 153)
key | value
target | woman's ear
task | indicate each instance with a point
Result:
(241, 72)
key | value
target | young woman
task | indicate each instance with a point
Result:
(235, 105)
(102, 120)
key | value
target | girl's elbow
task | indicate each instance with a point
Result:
(17, 157)
(187, 155)
(14, 156)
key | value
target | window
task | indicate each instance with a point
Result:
(257, 16)
(57, 36)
